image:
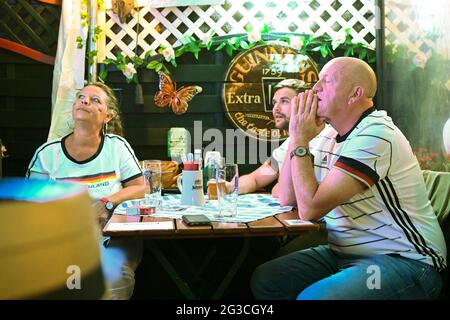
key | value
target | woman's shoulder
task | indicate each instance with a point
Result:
(115, 139)
(49, 144)
(49, 149)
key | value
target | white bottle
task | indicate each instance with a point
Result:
(198, 158)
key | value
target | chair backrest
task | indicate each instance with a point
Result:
(438, 188)
(446, 136)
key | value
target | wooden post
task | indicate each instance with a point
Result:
(92, 45)
(380, 39)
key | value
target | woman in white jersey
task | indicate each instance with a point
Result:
(107, 165)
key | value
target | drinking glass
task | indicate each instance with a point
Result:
(152, 177)
(227, 178)
(211, 174)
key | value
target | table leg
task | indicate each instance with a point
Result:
(234, 268)
(180, 283)
(183, 286)
(196, 270)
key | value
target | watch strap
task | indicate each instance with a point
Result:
(107, 203)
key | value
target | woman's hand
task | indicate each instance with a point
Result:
(304, 124)
(102, 213)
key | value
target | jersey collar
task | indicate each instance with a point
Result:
(363, 115)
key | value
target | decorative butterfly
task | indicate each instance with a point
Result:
(177, 99)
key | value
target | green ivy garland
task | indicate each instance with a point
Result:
(157, 60)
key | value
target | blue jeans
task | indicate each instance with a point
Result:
(119, 262)
(320, 273)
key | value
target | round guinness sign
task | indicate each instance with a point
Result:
(249, 83)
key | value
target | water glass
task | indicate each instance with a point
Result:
(152, 177)
(227, 178)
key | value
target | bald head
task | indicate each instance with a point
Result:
(344, 91)
(356, 72)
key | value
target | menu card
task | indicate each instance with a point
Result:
(136, 226)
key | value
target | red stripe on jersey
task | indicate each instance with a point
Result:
(351, 170)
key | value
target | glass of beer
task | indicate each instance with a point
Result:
(227, 178)
(211, 169)
(212, 189)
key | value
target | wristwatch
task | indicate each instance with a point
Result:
(108, 204)
(300, 152)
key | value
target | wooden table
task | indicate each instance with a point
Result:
(267, 227)
(270, 226)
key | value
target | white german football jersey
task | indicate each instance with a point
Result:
(114, 163)
(393, 215)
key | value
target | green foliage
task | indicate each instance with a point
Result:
(431, 160)
(90, 55)
(155, 60)
(97, 32)
(80, 42)
(122, 63)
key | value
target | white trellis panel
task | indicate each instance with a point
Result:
(404, 25)
(169, 26)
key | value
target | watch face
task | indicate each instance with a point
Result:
(301, 151)
(109, 205)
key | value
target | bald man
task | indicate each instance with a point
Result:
(384, 240)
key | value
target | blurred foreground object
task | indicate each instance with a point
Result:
(48, 241)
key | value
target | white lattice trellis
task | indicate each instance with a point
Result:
(169, 26)
(405, 26)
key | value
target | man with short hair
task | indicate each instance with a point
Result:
(384, 240)
(267, 173)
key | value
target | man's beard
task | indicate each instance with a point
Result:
(284, 124)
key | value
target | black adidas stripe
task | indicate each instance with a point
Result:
(126, 146)
(387, 193)
(37, 155)
(132, 178)
(422, 240)
(394, 216)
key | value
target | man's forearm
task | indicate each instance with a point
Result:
(247, 184)
(286, 193)
(305, 184)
